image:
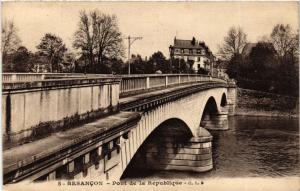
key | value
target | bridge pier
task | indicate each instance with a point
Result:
(171, 148)
(218, 121)
(199, 148)
(232, 97)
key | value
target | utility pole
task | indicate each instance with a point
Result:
(130, 42)
(171, 50)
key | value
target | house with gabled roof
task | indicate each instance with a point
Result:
(194, 52)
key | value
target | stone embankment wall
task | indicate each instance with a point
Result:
(257, 103)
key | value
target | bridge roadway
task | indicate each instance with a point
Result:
(91, 142)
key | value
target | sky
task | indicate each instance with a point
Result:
(157, 22)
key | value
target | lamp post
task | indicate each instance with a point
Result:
(212, 60)
(130, 42)
(171, 57)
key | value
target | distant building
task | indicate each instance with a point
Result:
(194, 52)
(247, 49)
(221, 68)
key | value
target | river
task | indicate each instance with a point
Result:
(252, 147)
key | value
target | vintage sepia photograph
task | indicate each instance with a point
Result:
(132, 95)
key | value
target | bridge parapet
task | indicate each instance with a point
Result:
(57, 83)
(135, 84)
(18, 77)
(13, 77)
(36, 109)
(129, 85)
(21, 77)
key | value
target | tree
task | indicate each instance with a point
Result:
(98, 37)
(157, 61)
(108, 37)
(10, 41)
(288, 79)
(117, 66)
(53, 48)
(180, 66)
(234, 43)
(138, 65)
(233, 69)
(262, 66)
(68, 64)
(285, 42)
(21, 60)
(84, 38)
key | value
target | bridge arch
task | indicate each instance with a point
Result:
(215, 115)
(224, 100)
(210, 106)
(161, 142)
(188, 110)
(176, 125)
(210, 109)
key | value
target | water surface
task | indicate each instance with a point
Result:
(252, 147)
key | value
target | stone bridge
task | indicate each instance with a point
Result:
(72, 127)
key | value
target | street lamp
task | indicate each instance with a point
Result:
(171, 57)
(129, 45)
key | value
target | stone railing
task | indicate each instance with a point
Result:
(47, 84)
(17, 77)
(129, 84)
(21, 77)
(14, 77)
(139, 83)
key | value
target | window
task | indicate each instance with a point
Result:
(182, 50)
(199, 58)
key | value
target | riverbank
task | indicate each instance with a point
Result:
(257, 103)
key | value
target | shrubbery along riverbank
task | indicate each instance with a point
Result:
(258, 103)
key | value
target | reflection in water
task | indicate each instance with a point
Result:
(257, 147)
(253, 146)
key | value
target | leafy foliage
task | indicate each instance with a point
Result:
(285, 42)
(98, 38)
(54, 49)
(263, 71)
(10, 38)
(158, 62)
(233, 43)
(21, 60)
(10, 42)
